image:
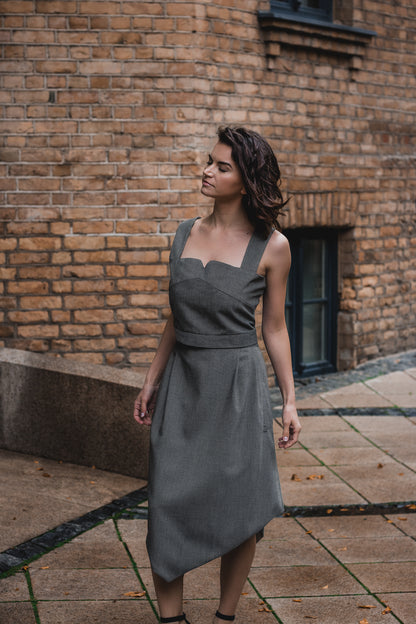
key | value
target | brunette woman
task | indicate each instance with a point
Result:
(213, 481)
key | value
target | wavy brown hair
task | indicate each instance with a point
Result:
(263, 201)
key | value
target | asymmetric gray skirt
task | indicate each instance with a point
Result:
(213, 478)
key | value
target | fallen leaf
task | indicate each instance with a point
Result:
(404, 519)
(367, 607)
(329, 511)
(295, 477)
(344, 548)
(344, 509)
(380, 465)
(308, 532)
(244, 593)
(364, 621)
(331, 530)
(412, 506)
(40, 468)
(35, 461)
(386, 610)
(135, 594)
(400, 474)
(296, 599)
(46, 474)
(310, 617)
(45, 568)
(390, 521)
(325, 587)
(92, 482)
(261, 602)
(314, 476)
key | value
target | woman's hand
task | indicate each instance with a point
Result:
(145, 404)
(291, 427)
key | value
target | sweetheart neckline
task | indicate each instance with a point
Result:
(227, 264)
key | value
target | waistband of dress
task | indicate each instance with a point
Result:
(217, 341)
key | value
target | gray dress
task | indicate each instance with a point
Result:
(213, 478)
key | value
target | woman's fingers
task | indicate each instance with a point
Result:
(141, 411)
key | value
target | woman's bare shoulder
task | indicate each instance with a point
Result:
(278, 248)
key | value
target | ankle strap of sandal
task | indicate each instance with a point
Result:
(177, 618)
(221, 616)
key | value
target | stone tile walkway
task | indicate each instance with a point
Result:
(345, 552)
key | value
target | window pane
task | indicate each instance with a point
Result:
(314, 335)
(312, 4)
(314, 269)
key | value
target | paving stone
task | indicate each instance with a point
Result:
(371, 549)
(351, 456)
(200, 583)
(405, 521)
(377, 424)
(391, 483)
(83, 584)
(97, 612)
(295, 457)
(291, 552)
(27, 515)
(405, 454)
(403, 605)
(13, 612)
(350, 526)
(386, 577)
(283, 528)
(249, 611)
(323, 423)
(14, 588)
(327, 491)
(334, 439)
(401, 438)
(303, 581)
(97, 548)
(397, 387)
(31, 504)
(322, 610)
(313, 402)
(355, 395)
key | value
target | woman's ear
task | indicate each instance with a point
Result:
(243, 191)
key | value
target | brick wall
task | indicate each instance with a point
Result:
(108, 109)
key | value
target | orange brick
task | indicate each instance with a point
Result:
(98, 316)
(47, 302)
(81, 330)
(34, 316)
(40, 243)
(26, 287)
(38, 331)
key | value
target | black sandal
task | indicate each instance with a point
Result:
(221, 616)
(178, 618)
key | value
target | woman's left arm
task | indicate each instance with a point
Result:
(276, 339)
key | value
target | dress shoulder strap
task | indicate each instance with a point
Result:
(180, 239)
(255, 251)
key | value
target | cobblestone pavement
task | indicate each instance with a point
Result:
(74, 542)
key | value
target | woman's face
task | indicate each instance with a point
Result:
(221, 178)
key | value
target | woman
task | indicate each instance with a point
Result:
(213, 482)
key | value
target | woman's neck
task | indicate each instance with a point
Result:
(229, 215)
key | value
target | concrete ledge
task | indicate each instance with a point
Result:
(71, 411)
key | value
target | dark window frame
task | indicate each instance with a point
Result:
(295, 303)
(295, 8)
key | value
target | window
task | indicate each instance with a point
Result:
(312, 9)
(311, 301)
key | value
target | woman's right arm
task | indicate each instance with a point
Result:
(145, 402)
